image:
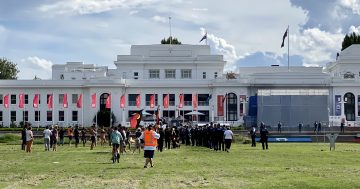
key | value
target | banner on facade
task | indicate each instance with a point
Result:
(36, 101)
(337, 105)
(194, 101)
(220, 105)
(65, 101)
(152, 101)
(93, 100)
(166, 101)
(79, 102)
(108, 102)
(21, 100)
(6, 101)
(181, 100)
(138, 102)
(49, 101)
(122, 101)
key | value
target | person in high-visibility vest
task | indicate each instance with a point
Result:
(150, 139)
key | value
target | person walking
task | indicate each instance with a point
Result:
(93, 137)
(228, 136)
(54, 137)
(61, 136)
(116, 139)
(70, 134)
(253, 136)
(83, 136)
(150, 139)
(161, 139)
(47, 135)
(264, 136)
(29, 139)
(315, 126)
(167, 137)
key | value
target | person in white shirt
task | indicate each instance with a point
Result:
(228, 136)
(47, 134)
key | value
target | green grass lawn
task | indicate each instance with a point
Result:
(291, 165)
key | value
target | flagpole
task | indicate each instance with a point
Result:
(288, 48)
(82, 110)
(52, 108)
(110, 108)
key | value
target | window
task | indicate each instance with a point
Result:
(186, 74)
(1, 116)
(136, 75)
(13, 116)
(26, 99)
(48, 115)
(132, 99)
(147, 97)
(61, 98)
(171, 99)
(47, 98)
(37, 115)
(25, 116)
(154, 74)
(61, 116)
(74, 98)
(204, 75)
(170, 74)
(13, 99)
(74, 115)
(215, 75)
(1, 99)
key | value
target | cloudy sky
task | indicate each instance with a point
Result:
(38, 33)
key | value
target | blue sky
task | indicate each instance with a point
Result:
(38, 33)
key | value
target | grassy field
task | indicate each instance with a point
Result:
(282, 166)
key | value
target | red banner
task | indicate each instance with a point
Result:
(152, 101)
(166, 101)
(181, 100)
(65, 101)
(108, 102)
(79, 102)
(21, 100)
(194, 101)
(49, 101)
(93, 100)
(138, 102)
(36, 101)
(6, 101)
(122, 101)
(220, 105)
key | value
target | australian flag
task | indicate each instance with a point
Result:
(204, 37)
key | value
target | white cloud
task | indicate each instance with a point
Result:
(90, 6)
(200, 9)
(354, 29)
(221, 46)
(133, 12)
(159, 19)
(354, 5)
(38, 62)
(316, 46)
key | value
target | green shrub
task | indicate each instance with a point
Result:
(9, 138)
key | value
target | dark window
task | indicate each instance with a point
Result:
(37, 115)
(215, 75)
(203, 99)
(74, 98)
(13, 116)
(26, 99)
(47, 98)
(61, 115)
(1, 99)
(13, 99)
(132, 99)
(61, 98)
(187, 99)
(1, 116)
(25, 116)
(204, 75)
(49, 116)
(231, 107)
(103, 98)
(74, 115)
(171, 99)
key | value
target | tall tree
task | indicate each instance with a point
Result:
(350, 39)
(8, 69)
(173, 41)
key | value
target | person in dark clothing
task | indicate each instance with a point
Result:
(193, 136)
(61, 136)
(264, 136)
(187, 135)
(300, 126)
(279, 127)
(23, 137)
(220, 138)
(167, 137)
(83, 136)
(77, 136)
(161, 139)
(342, 127)
(319, 127)
(315, 126)
(253, 136)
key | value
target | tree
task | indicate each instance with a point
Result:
(103, 118)
(174, 41)
(8, 69)
(350, 39)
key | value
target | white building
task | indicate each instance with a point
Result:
(268, 94)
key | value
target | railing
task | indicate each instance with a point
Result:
(203, 103)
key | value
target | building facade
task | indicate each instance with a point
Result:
(188, 78)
